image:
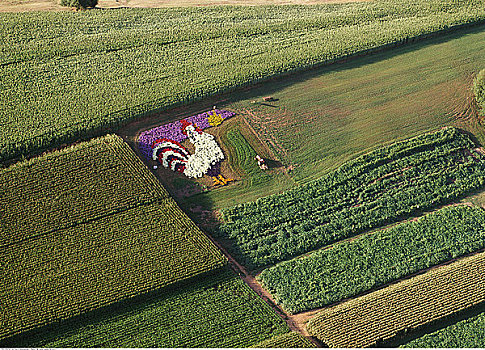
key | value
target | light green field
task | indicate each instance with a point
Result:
(326, 116)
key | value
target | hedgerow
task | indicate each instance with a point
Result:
(479, 90)
(68, 75)
(373, 190)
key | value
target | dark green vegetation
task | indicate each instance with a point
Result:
(349, 268)
(373, 190)
(78, 74)
(479, 90)
(219, 312)
(468, 333)
(85, 227)
(79, 4)
(403, 307)
(288, 340)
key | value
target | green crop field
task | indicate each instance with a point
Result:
(218, 312)
(370, 191)
(402, 307)
(469, 333)
(85, 227)
(79, 74)
(349, 268)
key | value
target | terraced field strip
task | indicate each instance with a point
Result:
(288, 340)
(373, 190)
(349, 268)
(137, 61)
(219, 311)
(468, 333)
(407, 305)
(86, 227)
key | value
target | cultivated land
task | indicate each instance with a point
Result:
(408, 305)
(220, 311)
(80, 74)
(85, 227)
(349, 268)
(126, 267)
(373, 190)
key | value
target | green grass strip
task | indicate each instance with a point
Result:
(220, 311)
(349, 268)
(469, 333)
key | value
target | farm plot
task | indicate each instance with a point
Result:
(469, 333)
(218, 312)
(407, 305)
(136, 61)
(85, 227)
(373, 190)
(349, 268)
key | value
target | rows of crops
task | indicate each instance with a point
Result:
(407, 305)
(219, 312)
(469, 333)
(288, 340)
(373, 190)
(92, 228)
(349, 268)
(69, 75)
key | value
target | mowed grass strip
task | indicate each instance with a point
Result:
(97, 256)
(349, 268)
(370, 191)
(469, 333)
(288, 340)
(219, 311)
(136, 61)
(407, 305)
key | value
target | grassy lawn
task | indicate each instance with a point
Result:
(323, 117)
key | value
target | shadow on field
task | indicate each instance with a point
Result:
(406, 336)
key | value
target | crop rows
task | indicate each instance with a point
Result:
(220, 311)
(469, 333)
(135, 61)
(407, 305)
(288, 341)
(95, 257)
(349, 268)
(373, 190)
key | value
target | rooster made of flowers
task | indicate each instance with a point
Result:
(205, 160)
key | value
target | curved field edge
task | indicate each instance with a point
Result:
(63, 84)
(347, 269)
(217, 311)
(468, 333)
(405, 306)
(373, 190)
(95, 228)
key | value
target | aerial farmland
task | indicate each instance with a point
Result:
(242, 174)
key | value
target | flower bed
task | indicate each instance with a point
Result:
(173, 131)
